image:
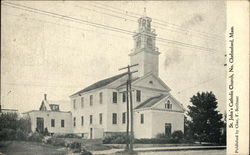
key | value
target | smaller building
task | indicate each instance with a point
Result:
(49, 116)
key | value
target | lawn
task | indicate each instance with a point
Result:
(30, 148)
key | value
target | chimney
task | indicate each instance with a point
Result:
(45, 97)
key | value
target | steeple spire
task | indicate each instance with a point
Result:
(145, 53)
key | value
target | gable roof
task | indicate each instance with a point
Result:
(151, 101)
(125, 83)
(156, 78)
(45, 106)
(101, 83)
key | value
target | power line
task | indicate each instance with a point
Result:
(131, 20)
(38, 85)
(161, 22)
(59, 16)
(78, 28)
(204, 82)
(68, 26)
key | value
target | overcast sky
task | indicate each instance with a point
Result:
(43, 54)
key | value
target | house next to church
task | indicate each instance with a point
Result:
(100, 109)
(49, 116)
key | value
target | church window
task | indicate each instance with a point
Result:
(74, 121)
(114, 118)
(168, 105)
(74, 103)
(82, 120)
(123, 117)
(100, 118)
(138, 95)
(151, 82)
(91, 100)
(100, 97)
(124, 97)
(142, 118)
(114, 97)
(82, 102)
(90, 119)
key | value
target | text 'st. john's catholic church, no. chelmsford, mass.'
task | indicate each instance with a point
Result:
(99, 110)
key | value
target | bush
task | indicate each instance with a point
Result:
(7, 134)
(162, 135)
(21, 135)
(8, 120)
(115, 139)
(75, 145)
(35, 137)
(66, 136)
(177, 135)
(14, 128)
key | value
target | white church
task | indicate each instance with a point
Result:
(99, 110)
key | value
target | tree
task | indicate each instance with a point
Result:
(12, 127)
(206, 122)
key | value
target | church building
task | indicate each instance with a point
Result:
(99, 110)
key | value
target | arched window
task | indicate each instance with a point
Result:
(168, 105)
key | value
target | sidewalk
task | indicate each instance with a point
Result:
(151, 149)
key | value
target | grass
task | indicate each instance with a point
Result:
(30, 148)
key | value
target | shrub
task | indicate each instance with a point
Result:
(35, 137)
(14, 128)
(8, 120)
(115, 139)
(7, 134)
(21, 135)
(24, 124)
(177, 135)
(66, 136)
(75, 145)
(162, 135)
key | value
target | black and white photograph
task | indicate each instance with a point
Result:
(120, 77)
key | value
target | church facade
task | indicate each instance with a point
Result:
(99, 110)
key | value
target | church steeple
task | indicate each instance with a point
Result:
(145, 53)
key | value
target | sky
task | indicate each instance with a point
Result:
(44, 54)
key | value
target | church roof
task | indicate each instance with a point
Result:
(101, 83)
(151, 101)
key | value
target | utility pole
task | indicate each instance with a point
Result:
(127, 140)
(129, 89)
(131, 112)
